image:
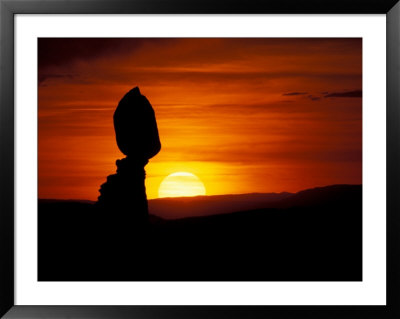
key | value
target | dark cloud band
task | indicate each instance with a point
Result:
(356, 93)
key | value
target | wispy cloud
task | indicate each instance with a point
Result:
(294, 93)
(356, 93)
(42, 77)
(313, 97)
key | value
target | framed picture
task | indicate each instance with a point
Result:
(244, 165)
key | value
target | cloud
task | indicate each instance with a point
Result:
(309, 96)
(294, 93)
(64, 51)
(356, 93)
(44, 76)
(313, 98)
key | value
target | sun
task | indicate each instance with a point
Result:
(181, 184)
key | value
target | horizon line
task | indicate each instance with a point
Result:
(200, 196)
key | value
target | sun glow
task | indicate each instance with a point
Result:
(181, 184)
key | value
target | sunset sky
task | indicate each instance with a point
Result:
(243, 115)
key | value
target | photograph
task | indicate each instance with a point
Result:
(200, 159)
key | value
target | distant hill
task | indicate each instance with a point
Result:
(328, 195)
(180, 207)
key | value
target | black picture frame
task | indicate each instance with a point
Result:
(8, 10)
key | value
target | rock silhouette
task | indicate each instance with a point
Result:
(124, 194)
(136, 127)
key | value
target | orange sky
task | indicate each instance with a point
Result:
(244, 115)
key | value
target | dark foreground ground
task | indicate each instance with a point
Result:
(314, 235)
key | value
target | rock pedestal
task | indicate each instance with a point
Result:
(124, 193)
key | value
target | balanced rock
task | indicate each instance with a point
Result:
(124, 194)
(136, 127)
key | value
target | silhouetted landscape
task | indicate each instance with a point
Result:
(312, 235)
(240, 117)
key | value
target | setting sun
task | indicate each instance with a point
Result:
(181, 184)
